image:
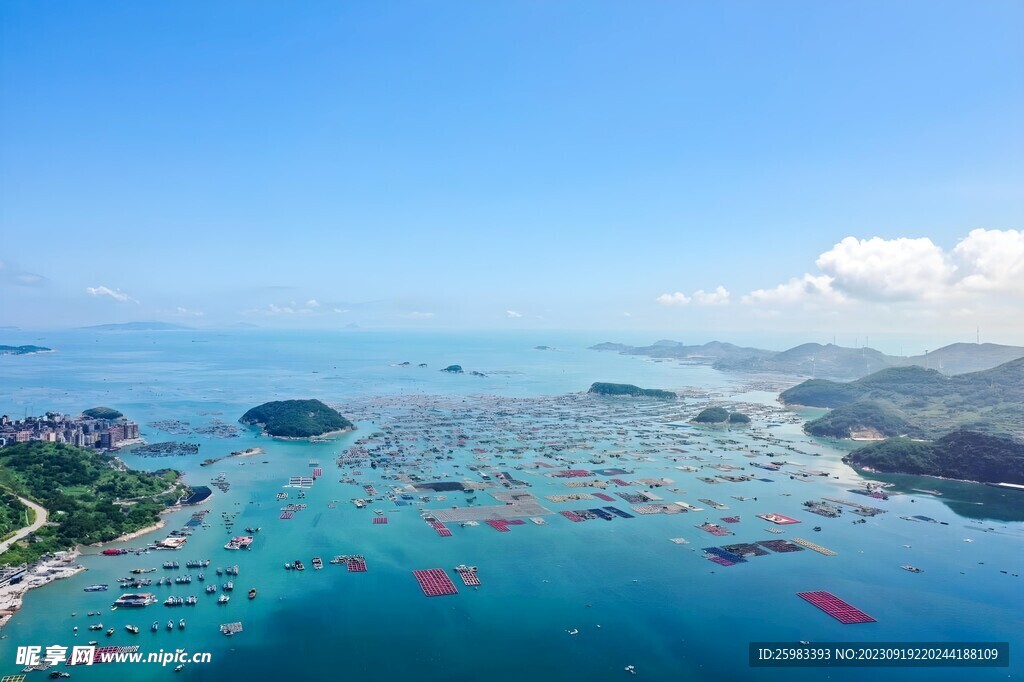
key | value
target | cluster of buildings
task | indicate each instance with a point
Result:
(85, 432)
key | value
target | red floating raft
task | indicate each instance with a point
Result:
(618, 481)
(379, 520)
(357, 565)
(498, 525)
(287, 515)
(318, 472)
(441, 529)
(836, 607)
(606, 498)
(435, 582)
(572, 516)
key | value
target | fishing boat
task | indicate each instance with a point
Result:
(223, 599)
(135, 600)
(96, 626)
(192, 600)
(181, 624)
(210, 589)
(134, 629)
(95, 588)
(178, 667)
(318, 563)
(252, 593)
(170, 625)
(156, 626)
(228, 586)
(110, 632)
(299, 566)
(912, 569)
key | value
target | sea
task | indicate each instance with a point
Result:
(560, 601)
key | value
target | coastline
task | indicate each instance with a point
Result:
(41, 573)
(326, 434)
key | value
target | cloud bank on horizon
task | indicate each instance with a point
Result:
(985, 267)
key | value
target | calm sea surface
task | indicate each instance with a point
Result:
(661, 606)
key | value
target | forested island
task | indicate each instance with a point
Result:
(23, 350)
(92, 497)
(962, 454)
(720, 415)
(601, 388)
(296, 419)
(102, 413)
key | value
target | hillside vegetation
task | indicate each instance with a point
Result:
(601, 388)
(89, 495)
(918, 402)
(296, 418)
(962, 454)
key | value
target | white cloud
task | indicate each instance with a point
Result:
(904, 269)
(797, 290)
(191, 313)
(720, 296)
(280, 310)
(512, 313)
(340, 311)
(991, 261)
(678, 298)
(887, 269)
(115, 294)
(312, 303)
(417, 315)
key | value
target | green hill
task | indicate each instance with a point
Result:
(601, 388)
(964, 455)
(91, 496)
(296, 418)
(917, 401)
(102, 413)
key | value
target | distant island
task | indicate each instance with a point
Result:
(453, 369)
(91, 496)
(963, 455)
(102, 413)
(137, 327)
(24, 350)
(818, 360)
(296, 419)
(601, 388)
(720, 415)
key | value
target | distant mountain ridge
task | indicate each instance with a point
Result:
(137, 327)
(826, 361)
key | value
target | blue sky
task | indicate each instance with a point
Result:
(587, 165)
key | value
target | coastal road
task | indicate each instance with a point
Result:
(27, 530)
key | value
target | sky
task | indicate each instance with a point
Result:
(688, 169)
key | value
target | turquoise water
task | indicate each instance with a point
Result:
(661, 606)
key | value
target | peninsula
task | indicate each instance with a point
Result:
(296, 419)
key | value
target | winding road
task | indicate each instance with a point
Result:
(27, 530)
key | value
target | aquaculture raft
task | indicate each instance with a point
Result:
(356, 565)
(572, 516)
(836, 607)
(606, 498)
(379, 520)
(435, 582)
(468, 576)
(441, 529)
(817, 548)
